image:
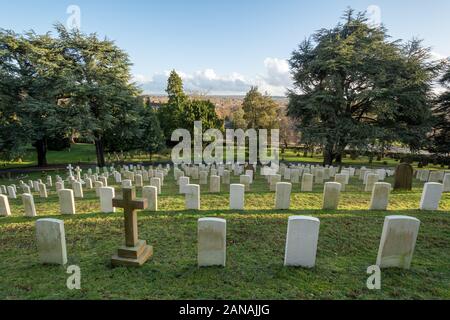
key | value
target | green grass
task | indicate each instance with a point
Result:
(85, 154)
(78, 153)
(348, 244)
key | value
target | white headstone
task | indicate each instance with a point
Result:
(28, 204)
(214, 184)
(331, 195)
(107, 194)
(139, 180)
(151, 194)
(36, 186)
(237, 196)
(51, 241)
(446, 182)
(66, 201)
(319, 175)
(5, 210)
(59, 185)
(380, 196)
(435, 176)
(431, 196)
(371, 179)
(192, 197)
(398, 241)
(246, 180)
(97, 186)
(295, 175)
(103, 180)
(212, 235)
(127, 183)
(160, 175)
(307, 182)
(156, 182)
(77, 189)
(118, 177)
(88, 182)
(341, 178)
(183, 182)
(43, 191)
(25, 189)
(273, 180)
(203, 178)
(301, 241)
(11, 192)
(226, 177)
(283, 195)
(249, 173)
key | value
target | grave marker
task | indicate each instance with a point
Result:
(431, 196)
(28, 204)
(403, 177)
(151, 194)
(107, 194)
(212, 233)
(283, 195)
(398, 241)
(51, 241)
(135, 252)
(331, 195)
(5, 210)
(237, 196)
(301, 241)
(66, 201)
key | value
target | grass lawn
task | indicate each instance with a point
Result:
(348, 244)
(85, 154)
(78, 153)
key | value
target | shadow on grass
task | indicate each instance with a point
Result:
(270, 213)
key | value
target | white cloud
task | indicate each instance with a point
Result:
(438, 56)
(275, 81)
(277, 72)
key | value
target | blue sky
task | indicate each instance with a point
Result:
(223, 47)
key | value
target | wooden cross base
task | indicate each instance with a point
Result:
(132, 256)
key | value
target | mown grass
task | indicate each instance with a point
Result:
(348, 244)
(85, 154)
(80, 153)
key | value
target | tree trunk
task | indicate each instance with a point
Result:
(328, 155)
(339, 158)
(41, 149)
(100, 152)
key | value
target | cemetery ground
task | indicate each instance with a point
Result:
(85, 154)
(348, 244)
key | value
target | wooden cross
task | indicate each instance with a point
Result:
(130, 204)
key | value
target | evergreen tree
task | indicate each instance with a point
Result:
(441, 136)
(34, 79)
(102, 95)
(353, 86)
(152, 136)
(170, 115)
(260, 111)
